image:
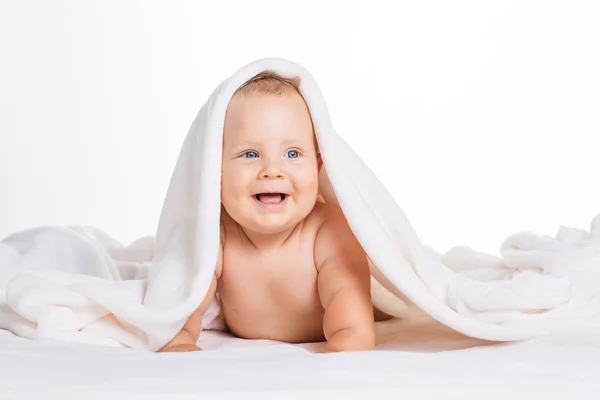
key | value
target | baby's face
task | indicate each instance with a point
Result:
(270, 167)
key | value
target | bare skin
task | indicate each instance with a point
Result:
(284, 302)
(288, 270)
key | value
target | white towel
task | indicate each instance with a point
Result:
(78, 284)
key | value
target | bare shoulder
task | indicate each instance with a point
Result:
(329, 215)
(319, 214)
(335, 239)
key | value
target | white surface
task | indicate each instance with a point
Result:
(423, 363)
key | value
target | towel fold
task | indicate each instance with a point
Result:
(78, 284)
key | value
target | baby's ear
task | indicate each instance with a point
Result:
(319, 162)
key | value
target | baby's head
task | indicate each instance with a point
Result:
(269, 179)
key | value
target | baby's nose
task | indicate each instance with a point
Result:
(271, 171)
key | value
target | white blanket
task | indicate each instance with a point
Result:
(416, 361)
(77, 284)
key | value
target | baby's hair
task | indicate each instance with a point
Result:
(268, 82)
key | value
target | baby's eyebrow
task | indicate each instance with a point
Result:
(243, 144)
(247, 144)
(291, 141)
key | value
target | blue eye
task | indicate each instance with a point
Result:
(293, 154)
(250, 154)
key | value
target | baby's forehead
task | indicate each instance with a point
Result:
(239, 137)
(253, 119)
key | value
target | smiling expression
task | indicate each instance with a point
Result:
(270, 163)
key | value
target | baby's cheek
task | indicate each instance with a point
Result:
(230, 183)
(312, 185)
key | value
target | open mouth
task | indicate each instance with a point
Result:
(270, 198)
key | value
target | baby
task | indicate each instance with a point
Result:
(289, 268)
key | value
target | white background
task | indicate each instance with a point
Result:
(481, 117)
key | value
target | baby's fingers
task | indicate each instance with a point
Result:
(325, 349)
(183, 347)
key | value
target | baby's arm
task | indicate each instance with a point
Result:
(188, 336)
(344, 287)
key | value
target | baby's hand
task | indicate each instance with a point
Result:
(181, 347)
(325, 348)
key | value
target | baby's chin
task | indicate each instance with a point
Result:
(274, 224)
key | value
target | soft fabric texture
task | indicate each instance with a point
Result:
(416, 361)
(78, 284)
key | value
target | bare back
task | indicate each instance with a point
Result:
(272, 295)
